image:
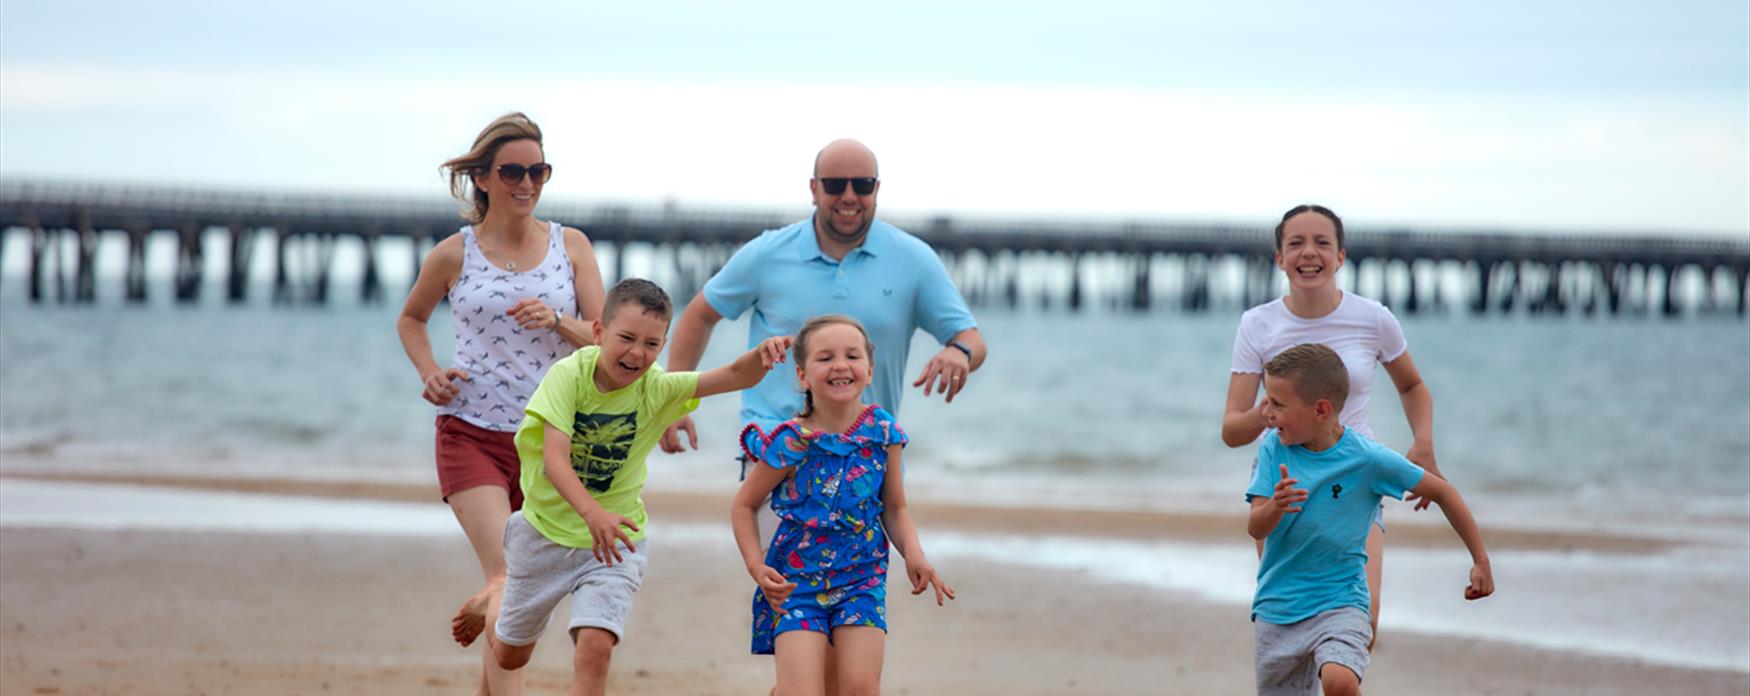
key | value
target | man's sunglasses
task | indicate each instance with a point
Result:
(835, 185)
(541, 171)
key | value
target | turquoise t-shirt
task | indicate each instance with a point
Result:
(611, 434)
(1316, 559)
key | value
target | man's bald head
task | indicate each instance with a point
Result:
(846, 154)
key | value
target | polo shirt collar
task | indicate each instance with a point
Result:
(874, 244)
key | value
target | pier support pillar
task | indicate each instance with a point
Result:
(39, 247)
(1480, 302)
(1670, 301)
(241, 251)
(1075, 282)
(1412, 300)
(134, 278)
(1141, 290)
(370, 286)
(282, 282)
(1552, 292)
(1743, 273)
(190, 253)
(85, 272)
(324, 268)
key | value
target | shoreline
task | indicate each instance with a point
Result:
(711, 506)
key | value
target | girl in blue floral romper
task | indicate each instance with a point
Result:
(836, 484)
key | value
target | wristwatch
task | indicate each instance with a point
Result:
(962, 348)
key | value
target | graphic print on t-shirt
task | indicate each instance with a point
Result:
(600, 443)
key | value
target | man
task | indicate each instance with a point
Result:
(840, 261)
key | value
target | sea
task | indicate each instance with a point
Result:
(1636, 426)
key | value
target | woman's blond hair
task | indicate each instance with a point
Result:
(478, 161)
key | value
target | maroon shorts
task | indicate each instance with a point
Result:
(469, 456)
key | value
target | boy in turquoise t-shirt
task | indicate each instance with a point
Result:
(583, 440)
(1309, 616)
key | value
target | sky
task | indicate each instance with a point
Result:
(1617, 117)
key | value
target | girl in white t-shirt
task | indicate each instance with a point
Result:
(1309, 250)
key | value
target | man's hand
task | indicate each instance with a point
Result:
(946, 373)
(671, 438)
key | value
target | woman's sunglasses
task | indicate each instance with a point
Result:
(835, 185)
(541, 171)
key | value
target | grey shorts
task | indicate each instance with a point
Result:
(540, 573)
(1287, 658)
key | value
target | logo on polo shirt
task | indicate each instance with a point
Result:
(887, 291)
(1336, 489)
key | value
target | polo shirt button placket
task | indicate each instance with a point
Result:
(841, 287)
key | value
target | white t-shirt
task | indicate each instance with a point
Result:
(1362, 332)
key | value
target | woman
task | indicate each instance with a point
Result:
(1309, 250)
(522, 294)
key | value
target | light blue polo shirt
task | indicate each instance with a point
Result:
(894, 284)
(1316, 559)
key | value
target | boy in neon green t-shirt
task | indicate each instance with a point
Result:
(583, 440)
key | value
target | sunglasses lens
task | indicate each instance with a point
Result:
(541, 172)
(512, 173)
(835, 185)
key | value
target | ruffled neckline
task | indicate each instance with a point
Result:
(838, 443)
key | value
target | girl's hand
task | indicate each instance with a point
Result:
(1287, 497)
(1422, 454)
(440, 388)
(604, 529)
(773, 584)
(924, 575)
(773, 350)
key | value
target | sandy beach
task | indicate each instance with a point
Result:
(166, 611)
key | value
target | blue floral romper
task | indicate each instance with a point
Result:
(830, 540)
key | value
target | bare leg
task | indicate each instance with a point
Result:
(801, 658)
(1375, 575)
(594, 648)
(1338, 680)
(831, 665)
(509, 657)
(482, 511)
(860, 652)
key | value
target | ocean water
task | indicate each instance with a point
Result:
(1589, 419)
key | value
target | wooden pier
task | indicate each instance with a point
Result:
(1505, 272)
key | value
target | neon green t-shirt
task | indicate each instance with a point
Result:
(610, 435)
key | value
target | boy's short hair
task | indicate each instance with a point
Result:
(637, 291)
(1318, 373)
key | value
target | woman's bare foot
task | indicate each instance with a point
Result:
(470, 620)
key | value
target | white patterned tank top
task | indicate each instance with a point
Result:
(504, 362)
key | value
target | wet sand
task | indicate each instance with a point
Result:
(173, 612)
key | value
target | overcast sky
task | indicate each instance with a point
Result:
(1624, 116)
